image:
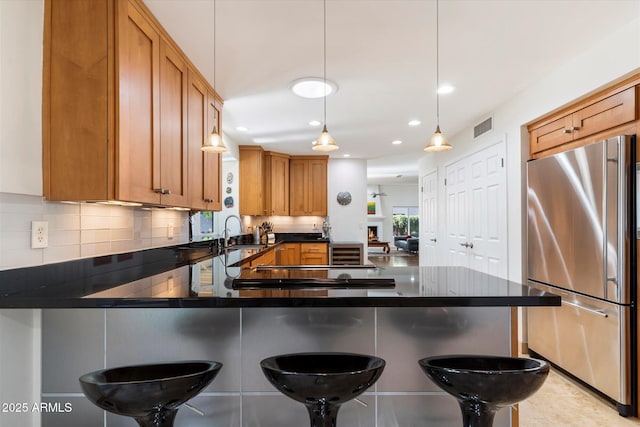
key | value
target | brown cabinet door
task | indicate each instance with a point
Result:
(173, 127)
(298, 184)
(615, 110)
(288, 254)
(250, 181)
(197, 96)
(308, 186)
(314, 254)
(139, 108)
(551, 135)
(213, 161)
(317, 190)
(277, 183)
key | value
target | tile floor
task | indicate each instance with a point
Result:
(561, 402)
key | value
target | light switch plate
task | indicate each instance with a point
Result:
(39, 234)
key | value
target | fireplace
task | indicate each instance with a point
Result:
(372, 232)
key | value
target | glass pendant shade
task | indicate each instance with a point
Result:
(437, 142)
(325, 142)
(214, 144)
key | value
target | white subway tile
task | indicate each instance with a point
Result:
(95, 209)
(64, 238)
(95, 249)
(63, 221)
(94, 236)
(13, 221)
(94, 222)
(120, 234)
(61, 253)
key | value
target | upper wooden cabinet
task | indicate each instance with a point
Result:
(251, 181)
(276, 180)
(204, 169)
(116, 99)
(308, 185)
(278, 184)
(585, 119)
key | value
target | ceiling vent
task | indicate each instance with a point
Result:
(482, 128)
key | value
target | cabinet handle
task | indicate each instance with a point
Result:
(575, 128)
(566, 131)
(466, 245)
(599, 312)
(158, 190)
(166, 191)
(209, 200)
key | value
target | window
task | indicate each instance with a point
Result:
(405, 220)
(202, 226)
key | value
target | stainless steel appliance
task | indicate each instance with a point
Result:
(582, 245)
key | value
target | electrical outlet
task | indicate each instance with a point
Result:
(169, 231)
(39, 234)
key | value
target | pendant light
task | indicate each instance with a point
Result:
(214, 143)
(437, 142)
(325, 141)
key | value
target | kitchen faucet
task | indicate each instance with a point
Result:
(226, 229)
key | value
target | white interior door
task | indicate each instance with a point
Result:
(477, 211)
(457, 222)
(429, 224)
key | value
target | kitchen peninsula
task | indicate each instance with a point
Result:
(398, 313)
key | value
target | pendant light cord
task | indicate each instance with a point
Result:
(324, 57)
(214, 44)
(437, 66)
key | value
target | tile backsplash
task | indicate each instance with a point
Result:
(81, 230)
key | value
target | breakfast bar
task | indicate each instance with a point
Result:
(162, 305)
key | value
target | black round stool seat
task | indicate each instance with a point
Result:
(151, 394)
(322, 381)
(485, 384)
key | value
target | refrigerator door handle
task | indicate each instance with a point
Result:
(599, 312)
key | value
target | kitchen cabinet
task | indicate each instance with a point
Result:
(308, 185)
(267, 258)
(115, 105)
(251, 181)
(588, 118)
(276, 181)
(278, 184)
(288, 254)
(204, 168)
(314, 254)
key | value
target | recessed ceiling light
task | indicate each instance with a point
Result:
(414, 122)
(265, 140)
(242, 129)
(346, 155)
(396, 142)
(314, 123)
(313, 87)
(445, 89)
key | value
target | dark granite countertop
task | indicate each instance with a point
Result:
(133, 280)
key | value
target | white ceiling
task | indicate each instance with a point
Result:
(381, 53)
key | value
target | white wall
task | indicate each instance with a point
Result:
(349, 223)
(21, 32)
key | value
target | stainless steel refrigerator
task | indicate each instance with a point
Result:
(582, 244)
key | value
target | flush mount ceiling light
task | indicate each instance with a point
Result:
(414, 122)
(214, 144)
(242, 129)
(314, 123)
(313, 87)
(325, 141)
(396, 142)
(437, 142)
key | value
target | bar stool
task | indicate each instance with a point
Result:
(485, 384)
(322, 381)
(151, 394)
